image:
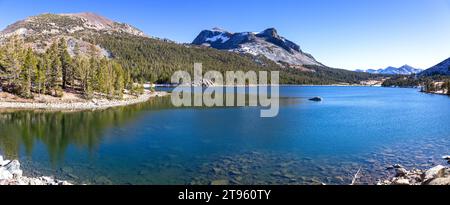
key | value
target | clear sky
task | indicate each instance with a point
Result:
(348, 34)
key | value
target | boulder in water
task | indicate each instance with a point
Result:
(316, 99)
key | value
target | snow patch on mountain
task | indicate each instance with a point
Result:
(221, 37)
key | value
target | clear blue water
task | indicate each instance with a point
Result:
(367, 128)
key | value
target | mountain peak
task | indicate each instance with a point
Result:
(67, 24)
(92, 17)
(267, 43)
(76, 28)
(270, 32)
(406, 66)
(218, 29)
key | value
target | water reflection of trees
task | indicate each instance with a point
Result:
(59, 130)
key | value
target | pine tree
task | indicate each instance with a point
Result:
(93, 74)
(94, 66)
(127, 80)
(12, 62)
(2, 65)
(55, 80)
(77, 71)
(110, 78)
(84, 68)
(102, 76)
(40, 76)
(47, 69)
(66, 63)
(119, 83)
(29, 65)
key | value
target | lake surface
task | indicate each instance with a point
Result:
(367, 128)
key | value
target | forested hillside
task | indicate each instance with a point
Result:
(155, 60)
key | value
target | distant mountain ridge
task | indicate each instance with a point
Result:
(403, 70)
(267, 43)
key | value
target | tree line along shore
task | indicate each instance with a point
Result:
(436, 84)
(437, 87)
(55, 72)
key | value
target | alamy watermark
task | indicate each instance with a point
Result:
(213, 89)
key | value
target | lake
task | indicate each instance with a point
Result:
(366, 128)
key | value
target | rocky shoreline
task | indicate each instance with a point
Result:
(11, 174)
(438, 175)
(95, 104)
(227, 172)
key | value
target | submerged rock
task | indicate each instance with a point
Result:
(217, 170)
(103, 180)
(447, 157)
(220, 182)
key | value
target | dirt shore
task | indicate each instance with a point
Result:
(71, 102)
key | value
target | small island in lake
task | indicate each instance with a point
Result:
(317, 99)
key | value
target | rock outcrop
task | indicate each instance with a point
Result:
(11, 174)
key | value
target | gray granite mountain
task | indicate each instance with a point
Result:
(41, 30)
(267, 43)
(443, 68)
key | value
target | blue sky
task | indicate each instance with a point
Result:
(348, 34)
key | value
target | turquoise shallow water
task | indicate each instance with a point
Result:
(365, 128)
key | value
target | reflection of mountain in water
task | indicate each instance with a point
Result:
(59, 130)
